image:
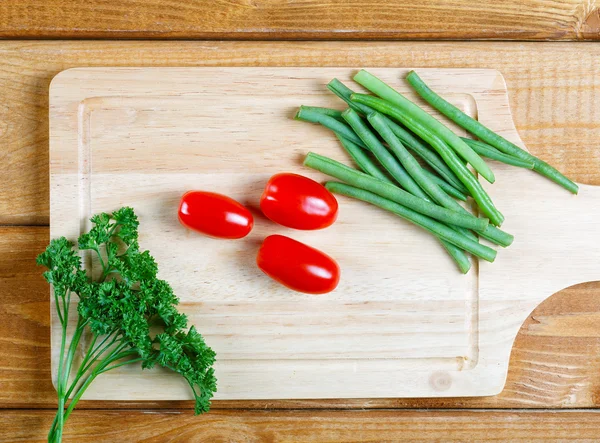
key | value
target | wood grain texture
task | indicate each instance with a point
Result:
(307, 426)
(553, 91)
(24, 313)
(554, 365)
(311, 19)
(402, 323)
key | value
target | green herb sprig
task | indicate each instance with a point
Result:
(130, 315)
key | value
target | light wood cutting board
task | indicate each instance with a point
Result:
(403, 321)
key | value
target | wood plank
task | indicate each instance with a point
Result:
(553, 90)
(553, 365)
(25, 313)
(307, 426)
(313, 19)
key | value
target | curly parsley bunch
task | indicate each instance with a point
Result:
(123, 309)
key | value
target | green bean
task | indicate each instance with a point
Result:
(344, 92)
(335, 113)
(487, 135)
(386, 159)
(458, 255)
(488, 151)
(447, 154)
(448, 188)
(497, 236)
(391, 192)
(438, 229)
(329, 122)
(430, 157)
(384, 91)
(361, 159)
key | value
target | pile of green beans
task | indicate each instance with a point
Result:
(387, 93)
(417, 168)
(411, 142)
(394, 193)
(448, 155)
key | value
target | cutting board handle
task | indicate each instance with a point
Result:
(583, 252)
(564, 232)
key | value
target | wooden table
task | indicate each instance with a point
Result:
(553, 386)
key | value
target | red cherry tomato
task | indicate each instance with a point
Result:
(298, 266)
(215, 215)
(298, 202)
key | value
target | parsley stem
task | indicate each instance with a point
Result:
(94, 355)
(94, 352)
(88, 360)
(72, 349)
(113, 229)
(123, 363)
(64, 371)
(58, 308)
(86, 364)
(91, 346)
(67, 305)
(106, 274)
(59, 381)
(102, 367)
(79, 393)
(100, 258)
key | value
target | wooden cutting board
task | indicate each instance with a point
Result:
(403, 321)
